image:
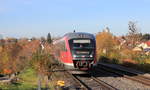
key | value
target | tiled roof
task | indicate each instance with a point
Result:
(148, 43)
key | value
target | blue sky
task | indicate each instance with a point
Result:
(27, 18)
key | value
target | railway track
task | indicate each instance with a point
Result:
(90, 83)
(103, 84)
(129, 75)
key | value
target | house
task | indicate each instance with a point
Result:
(147, 49)
(144, 46)
(148, 43)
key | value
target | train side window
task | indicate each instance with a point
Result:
(63, 46)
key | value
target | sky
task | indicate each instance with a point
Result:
(35, 18)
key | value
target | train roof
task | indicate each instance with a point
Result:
(79, 35)
(75, 35)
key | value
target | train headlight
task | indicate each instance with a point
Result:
(74, 56)
(91, 55)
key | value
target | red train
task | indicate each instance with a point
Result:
(76, 51)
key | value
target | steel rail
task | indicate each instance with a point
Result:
(103, 84)
(137, 78)
(82, 85)
(127, 71)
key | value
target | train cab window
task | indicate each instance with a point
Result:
(81, 45)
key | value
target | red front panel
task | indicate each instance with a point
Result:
(66, 56)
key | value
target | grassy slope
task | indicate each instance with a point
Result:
(28, 81)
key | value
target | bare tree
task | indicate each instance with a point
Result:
(134, 36)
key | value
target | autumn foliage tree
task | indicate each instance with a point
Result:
(43, 62)
(105, 43)
(15, 56)
(9, 60)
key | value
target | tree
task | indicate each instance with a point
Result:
(146, 37)
(9, 59)
(106, 42)
(132, 27)
(43, 62)
(134, 36)
(43, 39)
(49, 39)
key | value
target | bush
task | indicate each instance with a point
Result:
(43, 62)
(147, 61)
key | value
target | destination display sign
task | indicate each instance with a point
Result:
(81, 41)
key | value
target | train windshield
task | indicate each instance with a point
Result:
(81, 43)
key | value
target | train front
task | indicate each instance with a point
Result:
(83, 50)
